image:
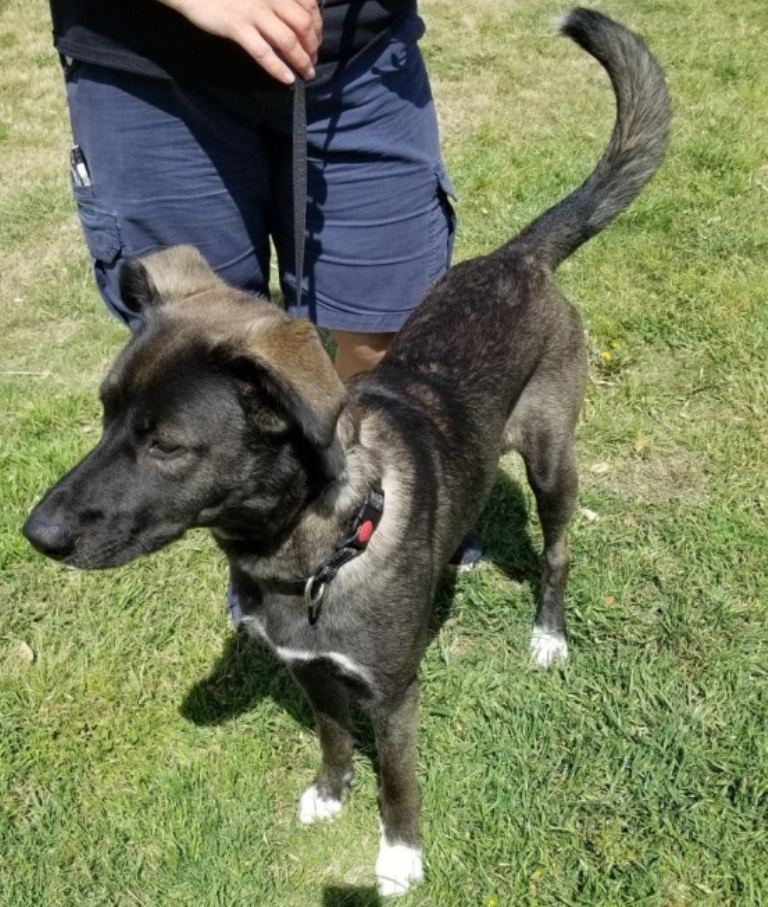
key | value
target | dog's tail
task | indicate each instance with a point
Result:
(634, 152)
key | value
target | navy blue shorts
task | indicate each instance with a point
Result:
(172, 164)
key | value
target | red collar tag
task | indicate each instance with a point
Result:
(365, 532)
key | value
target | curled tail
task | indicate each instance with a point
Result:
(634, 152)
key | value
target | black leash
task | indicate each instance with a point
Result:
(313, 588)
(299, 158)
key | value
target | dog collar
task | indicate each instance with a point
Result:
(363, 527)
(313, 588)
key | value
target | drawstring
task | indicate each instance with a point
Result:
(299, 134)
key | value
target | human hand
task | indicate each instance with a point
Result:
(273, 32)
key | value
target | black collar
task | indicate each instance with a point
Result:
(313, 587)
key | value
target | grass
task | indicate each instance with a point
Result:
(147, 758)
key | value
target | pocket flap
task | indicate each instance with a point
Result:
(102, 235)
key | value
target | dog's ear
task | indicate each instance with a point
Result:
(137, 291)
(285, 359)
(166, 276)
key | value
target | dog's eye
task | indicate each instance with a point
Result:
(164, 450)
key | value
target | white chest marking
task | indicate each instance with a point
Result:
(347, 665)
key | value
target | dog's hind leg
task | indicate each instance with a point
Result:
(398, 865)
(551, 468)
(329, 699)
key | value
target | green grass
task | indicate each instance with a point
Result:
(146, 758)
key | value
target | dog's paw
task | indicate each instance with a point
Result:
(547, 648)
(398, 867)
(314, 807)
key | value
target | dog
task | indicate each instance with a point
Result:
(337, 507)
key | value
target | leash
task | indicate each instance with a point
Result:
(299, 166)
(313, 588)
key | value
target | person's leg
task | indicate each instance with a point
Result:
(358, 352)
(379, 221)
(166, 166)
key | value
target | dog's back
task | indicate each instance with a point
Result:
(498, 289)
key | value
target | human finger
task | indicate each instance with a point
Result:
(294, 48)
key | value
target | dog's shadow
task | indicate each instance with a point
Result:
(351, 897)
(502, 531)
(246, 671)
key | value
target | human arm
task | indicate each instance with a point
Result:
(273, 32)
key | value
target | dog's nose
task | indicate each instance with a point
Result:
(51, 537)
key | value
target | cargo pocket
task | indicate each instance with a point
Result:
(102, 234)
(442, 228)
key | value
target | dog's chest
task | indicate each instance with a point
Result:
(288, 633)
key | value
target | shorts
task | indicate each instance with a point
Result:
(173, 164)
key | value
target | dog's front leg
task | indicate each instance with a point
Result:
(399, 862)
(330, 702)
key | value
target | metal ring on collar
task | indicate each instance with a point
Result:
(310, 597)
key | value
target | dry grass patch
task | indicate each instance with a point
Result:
(35, 142)
(661, 476)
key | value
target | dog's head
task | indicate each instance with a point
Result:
(220, 412)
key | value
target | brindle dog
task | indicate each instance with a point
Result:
(223, 412)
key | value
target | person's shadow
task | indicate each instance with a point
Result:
(246, 671)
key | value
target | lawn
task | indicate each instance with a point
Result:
(147, 757)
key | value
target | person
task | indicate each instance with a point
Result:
(181, 115)
(182, 122)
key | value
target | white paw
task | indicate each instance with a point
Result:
(398, 866)
(546, 648)
(313, 807)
